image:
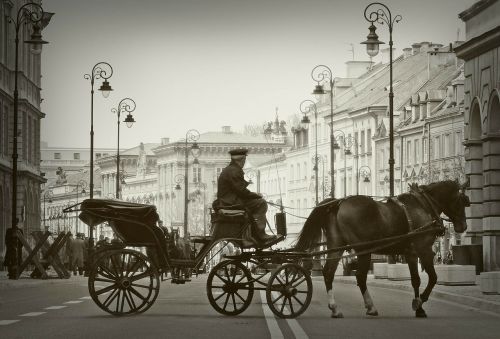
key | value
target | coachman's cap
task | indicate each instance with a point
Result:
(238, 151)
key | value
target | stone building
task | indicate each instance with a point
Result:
(481, 53)
(30, 114)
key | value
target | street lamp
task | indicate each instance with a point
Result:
(319, 74)
(192, 136)
(322, 160)
(382, 15)
(105, 71)
(29, 12)
(126, 105)
(178, 179)
(365, 173)
(47, 195)
(305, 107)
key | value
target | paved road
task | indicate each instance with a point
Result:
(64, 310)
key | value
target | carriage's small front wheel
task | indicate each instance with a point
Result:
(123, 282)
(230, 287)
(289, 291)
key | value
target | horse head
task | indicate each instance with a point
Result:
(451, 199)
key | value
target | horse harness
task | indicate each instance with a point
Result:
(428, 204)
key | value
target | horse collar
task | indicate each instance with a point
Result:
(429, 203)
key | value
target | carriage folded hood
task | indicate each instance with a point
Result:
(96, 211)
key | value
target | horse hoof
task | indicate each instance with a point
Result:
(373, 313)
(420, 313)
(337, 315)
(416, 304)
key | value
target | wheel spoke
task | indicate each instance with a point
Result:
(225, 303)
(142, 286)
(140, 276)
(123, 301)
(134, 268)
(291, 306)
(220, 296)
(104, 280)
(116, 266)
(118, 301)
(278, 298)
(300, 282)
(105, 272)
(283, 306)
(221, 278)
(140, 296)
(130, 300)
(110, 298)
(105, 289)
(239, 296)
(234, 301)
(299, 301)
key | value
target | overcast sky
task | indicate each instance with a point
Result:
(207, 63)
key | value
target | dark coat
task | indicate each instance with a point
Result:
(232, 187)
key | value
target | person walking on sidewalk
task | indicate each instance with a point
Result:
(77, 252)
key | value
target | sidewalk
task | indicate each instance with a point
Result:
(465, 295)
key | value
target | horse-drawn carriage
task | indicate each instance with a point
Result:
(123, 280)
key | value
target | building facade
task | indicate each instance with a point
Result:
(481, 53)
(29, 116)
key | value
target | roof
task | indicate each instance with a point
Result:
(135, 150)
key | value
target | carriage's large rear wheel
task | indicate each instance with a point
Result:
(123, 282)
(289, 291)
(229, 287)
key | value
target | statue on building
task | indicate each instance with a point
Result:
(61, 176)
(141, 162)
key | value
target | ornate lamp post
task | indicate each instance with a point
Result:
(192, 136)
(126, 105)
(365, 173)
(381, 14)
(305, 107)
(29, 12)
(319, 74)
(105, 71)
(321, 160)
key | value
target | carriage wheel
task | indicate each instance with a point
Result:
(123, 282)
(229, 287)
(289, 291)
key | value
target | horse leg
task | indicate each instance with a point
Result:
(328, 275)
(427, 260)
(361, 273)
(415, 282)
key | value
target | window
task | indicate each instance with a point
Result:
(459, 148)
(369, 140)
(447, 151)
(76, 156)
(397, 155)
(416, 156)
(98, 155)
(425, 147)
(291, 173)
(408, 153)
(436, 148)
(57, 156)
(298, 172)
(196, 174)
(218, 170)
(362, 142)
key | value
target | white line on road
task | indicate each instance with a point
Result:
(297, 330)
(73, 302)
(7, 322)
(32, 314)
(54, 307)
(86, 298)
(272, 324)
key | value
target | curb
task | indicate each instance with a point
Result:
(485, 305)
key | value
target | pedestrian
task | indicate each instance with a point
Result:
(101, 242)
(78, 250)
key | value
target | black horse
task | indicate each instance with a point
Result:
(407, 225)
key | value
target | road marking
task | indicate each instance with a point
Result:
(54, 307)
(272, 324)
(32, 314)
(73, 302)
(7, 322)
(86, 298)
(297, 330)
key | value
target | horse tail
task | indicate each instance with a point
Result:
(310, 235)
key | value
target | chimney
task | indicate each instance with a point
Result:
(407, 52)
(226, 129)
(415, 48)
(357, 68)
(435, 47)
(385, 55)
(165, 141)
